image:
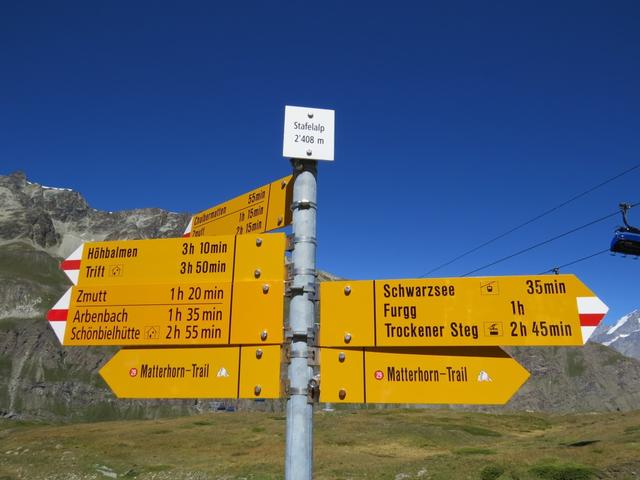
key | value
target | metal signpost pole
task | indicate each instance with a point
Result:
(299, 442)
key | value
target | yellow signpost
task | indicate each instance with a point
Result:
(214, 291)
(487, 311)
(215, 300)
(219, 372)
(261, 210)
(419, 375)
(424, 341)
(178, 260)
(175, 314)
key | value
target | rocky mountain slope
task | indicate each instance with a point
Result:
(58, 220)
(577, 379)
(624, 336)
(41, 379)
(38, 377)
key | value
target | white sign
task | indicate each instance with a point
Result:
(308, 133)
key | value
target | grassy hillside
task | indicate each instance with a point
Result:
(372, 444)
(30, 281)
(23, 261)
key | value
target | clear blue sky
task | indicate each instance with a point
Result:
(455, 121)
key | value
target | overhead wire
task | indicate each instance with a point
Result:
(539, 244)
(606, 250)
(556, 269)
(537, 217)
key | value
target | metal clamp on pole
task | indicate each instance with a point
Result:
(305, 271)
(303, 205)
(292, 271)
(312, 289)
(293, 239)
(311, 391)
(289, 390)
(312, 356)
(302, 335)
(303, 239)
(289, 353)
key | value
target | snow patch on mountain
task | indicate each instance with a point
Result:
(619, 324)
(624, 336)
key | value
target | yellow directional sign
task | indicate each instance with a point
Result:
(179, 260)
(490, 311)
(212, 313)
(213, 291)
(261, 210)
(419, 375)
(220, 372)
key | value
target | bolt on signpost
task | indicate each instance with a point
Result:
(308, 136)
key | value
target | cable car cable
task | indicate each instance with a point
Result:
(549, 240)
(557, 269)
(573, 230)
(502, 235)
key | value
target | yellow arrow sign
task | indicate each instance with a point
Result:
(419, 375)
(174, 314)
(221, 372)
(490, 311)
(221, 290)
(261, 210)
(178, 260)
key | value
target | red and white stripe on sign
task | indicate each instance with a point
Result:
(187, 231)
(71, 265)
(591, 311)
(57, 316)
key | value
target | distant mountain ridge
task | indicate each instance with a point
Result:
(58, 220)
(39, 226)
(624, 336)
(40, 379)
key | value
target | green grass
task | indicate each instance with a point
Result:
(476, 431)
(23, 261)
(563, 472)
(202, 423)
(32, 271)
(359, 444)
(474, 451)
(491, 472)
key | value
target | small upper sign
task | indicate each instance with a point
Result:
(308, 133)
(261, 210)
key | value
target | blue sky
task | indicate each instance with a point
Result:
(455, 121)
